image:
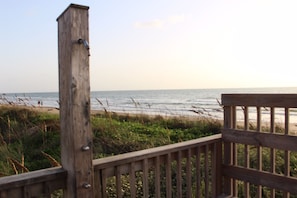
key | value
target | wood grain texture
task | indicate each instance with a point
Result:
(74, 89)
(271, 140)
(288, 184)
(261, 100)
(179, 156)
(35, 183)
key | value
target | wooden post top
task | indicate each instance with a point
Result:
(73, 6)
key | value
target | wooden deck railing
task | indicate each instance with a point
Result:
(258, 159)
(186, 169)
(260, 154)
(41, 183)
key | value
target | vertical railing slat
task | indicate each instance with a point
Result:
(3, 194)
(104, 184)
(213, 172)
(145, 178)
(118, 181)
(217, 164)
(189, 174)
(193, 162)
(272, 150)
(227, 149)
(246, 151)
(179, 174)
(198, 174)
(98, 181)
(287, 153)
(234, 152)
(206, 170)
(168, 176)
(259, 150)
(132, 180)
(157, 177)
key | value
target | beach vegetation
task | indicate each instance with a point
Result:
(30, 139)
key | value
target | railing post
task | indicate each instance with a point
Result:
(228, 117)
(217, 166)
(74, 90)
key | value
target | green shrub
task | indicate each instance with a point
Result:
(25, 133)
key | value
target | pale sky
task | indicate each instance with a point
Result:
(156, 44)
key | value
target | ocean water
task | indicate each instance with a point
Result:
(182, 102)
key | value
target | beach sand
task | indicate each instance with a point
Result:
(292, 126)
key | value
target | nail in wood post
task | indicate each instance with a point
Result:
(74, 90)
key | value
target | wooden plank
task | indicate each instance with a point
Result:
(3, 194)
(98, 182)
(287, 153)
(153, 152)
(234, 150)
(259, 150)
(267, 179)
(272, 150)
(227, 149)
(72, 6)
(246, 117)
(234, 157)
(246, 151)
(138, 164)
(157, 177)
(33, 184)
(132, 180)
(118, 182)
(234, 117)
(206, 168)
(179, 174)
(168, 176)
(260, 100)
(55, 174)
(189, 174)
(164, 154)
(34, 190)
(145, 178)
(217, 166)
(228, 117)
(198, 172)
(74, 92)
(277, 141)
(104, 183)
(272, 131)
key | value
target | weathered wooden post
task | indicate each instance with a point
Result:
(74, 89)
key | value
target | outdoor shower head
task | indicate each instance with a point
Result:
(84, 42)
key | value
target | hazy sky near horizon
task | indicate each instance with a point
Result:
(156, 44)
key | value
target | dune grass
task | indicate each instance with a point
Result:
(30, 140)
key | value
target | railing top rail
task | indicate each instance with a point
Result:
(157, 151)
(260, 100)
(26, 179)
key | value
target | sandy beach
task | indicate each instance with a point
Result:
(292, 126)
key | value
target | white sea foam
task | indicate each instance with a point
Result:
(184, 102)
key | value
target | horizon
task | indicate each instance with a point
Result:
(138, 90)
(155, 45)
